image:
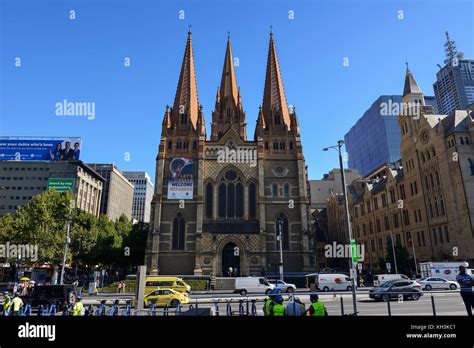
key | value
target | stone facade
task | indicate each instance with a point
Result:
(232, 216)
(425, 204)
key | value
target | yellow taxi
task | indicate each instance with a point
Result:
(166, 297)
(159, 282)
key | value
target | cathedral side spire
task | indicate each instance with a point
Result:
(186, 98)
(274, 99)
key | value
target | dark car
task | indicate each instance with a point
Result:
(48, 294)
(396, 289)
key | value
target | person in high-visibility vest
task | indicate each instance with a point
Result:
(278, 310)
(6, 303)
(17, 303)
(270, 301)
(79, 309)
(317, 308)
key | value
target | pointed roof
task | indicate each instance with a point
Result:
(186, 92)
(410, 84)
(229, 87)
(274, 93)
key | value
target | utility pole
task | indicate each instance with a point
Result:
(393, 251)
(68, 240)
(348, 220)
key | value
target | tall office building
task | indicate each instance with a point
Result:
(117, 196)
(142, 195)
(375, 138)
(454, 86)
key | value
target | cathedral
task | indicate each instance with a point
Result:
(222, 201)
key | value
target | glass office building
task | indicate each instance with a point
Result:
(375, 138)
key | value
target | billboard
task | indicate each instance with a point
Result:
(180, 178)
(61, 184)
(40, 148)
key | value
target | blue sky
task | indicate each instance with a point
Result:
(83, 60)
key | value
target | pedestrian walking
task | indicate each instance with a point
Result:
(6, 303)
(119, 287)
(295, 308)
(17, 304)
(361, 282)
(317, 309)
(78, 309)
(277, 309)
(466, 283)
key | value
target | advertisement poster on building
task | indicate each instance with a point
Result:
(40, 148)
(180, 178)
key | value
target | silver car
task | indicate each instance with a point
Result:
(432, 283)
(284, 287)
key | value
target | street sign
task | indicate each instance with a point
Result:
(355, 257)
(389, 266)
(61, 184)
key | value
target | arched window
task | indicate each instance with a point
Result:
(282, 227)
(286, 190)
(470, 166)
(178, 144)
(231, 196)
(209, 200)
(194, 145)
(179, 226)
(291, 146)
(170, 144)
(266, 145)
(275, 190)
(252, 201)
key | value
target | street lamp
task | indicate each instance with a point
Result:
(280, 238)
(68, 240)
(348, 220)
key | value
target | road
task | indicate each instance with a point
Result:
(445, 303)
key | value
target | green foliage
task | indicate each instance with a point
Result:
(404, 263)
(93, 241)
(130, 286)
(197, 284)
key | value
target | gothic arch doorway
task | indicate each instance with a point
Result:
(231, 260)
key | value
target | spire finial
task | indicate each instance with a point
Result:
(271, 30)
(228, 34)
(189, 29)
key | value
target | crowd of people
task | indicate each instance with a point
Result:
(274, 306)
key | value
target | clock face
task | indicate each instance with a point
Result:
(425, 136)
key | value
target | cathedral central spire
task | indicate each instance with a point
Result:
(186, 99)
(228, 112)
(228, 89)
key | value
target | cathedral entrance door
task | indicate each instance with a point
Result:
(231, 260)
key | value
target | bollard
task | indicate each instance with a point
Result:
(254, 307)
(342, 306)
(241, 307)
(229, 309)
(433, 305)
(247, 306)
(216, 304)
(388, 306)
(165, 311)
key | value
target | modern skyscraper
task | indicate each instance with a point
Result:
(375, 138)
(454, 86)
(117, 195)
(142, 195)
(222, 202)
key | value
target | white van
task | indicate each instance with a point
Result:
(256, 285)
(330, 282)
(379, 279)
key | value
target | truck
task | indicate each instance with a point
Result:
(446, 270)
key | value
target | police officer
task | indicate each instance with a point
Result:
(79, 309)
(270, 301)
(317, 308)
(17, 303)
(277, 309)
(7, 303)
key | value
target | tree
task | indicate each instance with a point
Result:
(405, 264)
